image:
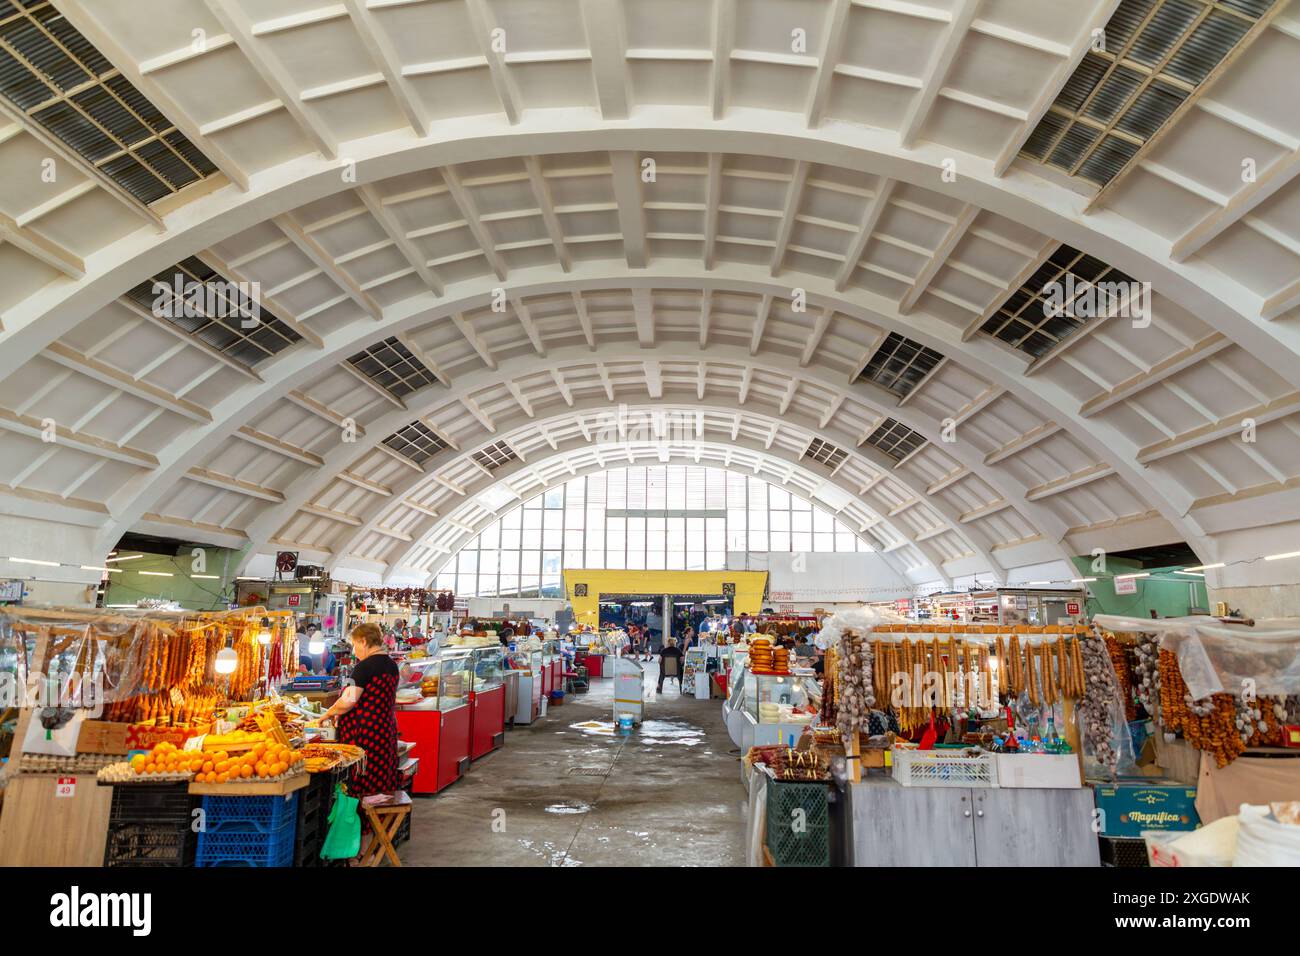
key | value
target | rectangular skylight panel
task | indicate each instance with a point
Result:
(1033, 320)
(895, 439)
(495, 455)
(1156, 54)
(391, 365)
(826, 453)
(415, 442)
(900, 364)
(57, 78)
(218, 316)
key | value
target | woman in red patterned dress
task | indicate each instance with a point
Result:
(366, 714)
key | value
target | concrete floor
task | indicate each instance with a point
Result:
(559, 794)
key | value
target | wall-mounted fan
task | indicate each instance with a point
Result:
(286, 562)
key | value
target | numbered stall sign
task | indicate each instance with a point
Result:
(66, 787)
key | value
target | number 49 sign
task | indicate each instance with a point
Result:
(65, 787)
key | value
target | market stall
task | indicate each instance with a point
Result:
(1225, 692)
(131, 722)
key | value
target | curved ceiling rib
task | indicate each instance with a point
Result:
(710, 423)
(598, 459)
(891, 198)
(984, 360)
(727, 369)
(523, 479)
(1050, 209)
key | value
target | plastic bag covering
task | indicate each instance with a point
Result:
(1220, 658)
(83, 664)
(863, 618)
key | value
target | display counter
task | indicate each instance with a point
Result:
(769, 708)
(440, 723)
(528, 665)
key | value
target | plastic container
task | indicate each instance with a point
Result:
(149, 845)
(624, 723)
(938, 768)
(150, 825)
(798, 824)
(247, 849)
(262, 815)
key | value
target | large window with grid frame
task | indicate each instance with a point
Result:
(670, 517)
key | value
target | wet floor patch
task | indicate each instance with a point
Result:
(553, 854)
(597, 728)
(569, 808)
(670, 732)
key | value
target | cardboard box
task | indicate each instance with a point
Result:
(1133, 804)
(147, 736)
(102, 737)
(1041, 771)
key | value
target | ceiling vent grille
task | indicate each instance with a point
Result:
(1042, 312)
(1157, 53)
(900, 364)
(222, 314)
(59, 81)
(895, 439)
(826, 453)
(416, 442)
(495, 455)
(391, 365)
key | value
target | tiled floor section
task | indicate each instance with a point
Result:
(563, 794)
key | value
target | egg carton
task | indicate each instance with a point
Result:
(48, 763)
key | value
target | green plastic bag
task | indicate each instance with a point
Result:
(343, 841)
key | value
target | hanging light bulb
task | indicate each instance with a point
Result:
(316, 643)
(227, 660)
(264, 635)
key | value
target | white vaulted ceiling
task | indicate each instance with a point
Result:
(386, 173)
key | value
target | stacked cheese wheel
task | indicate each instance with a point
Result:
(761, 657)
(781, 660)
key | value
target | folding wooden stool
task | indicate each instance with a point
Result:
(385, 820)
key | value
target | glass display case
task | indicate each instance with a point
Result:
(781, 698)
(444, 681)
(487, 665)
(527, 662)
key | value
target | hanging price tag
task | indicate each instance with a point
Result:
(65, 787)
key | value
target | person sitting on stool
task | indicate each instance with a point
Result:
(670, 663)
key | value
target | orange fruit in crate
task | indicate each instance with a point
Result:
(209, 766)
(223, 777)
(211, 777)
(263, 770)
(245, 771)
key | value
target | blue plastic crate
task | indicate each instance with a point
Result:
(273, 849)
(261, 815)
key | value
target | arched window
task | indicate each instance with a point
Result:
(673, 517)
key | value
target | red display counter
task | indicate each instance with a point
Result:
(547, 684)
(443, 737)
(487, 720)
(557, 673)
(595, 664)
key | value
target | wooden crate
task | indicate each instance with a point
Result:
(259, 788)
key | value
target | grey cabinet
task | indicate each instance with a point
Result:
(910, 826)
(893, 825)
(1026, 827)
